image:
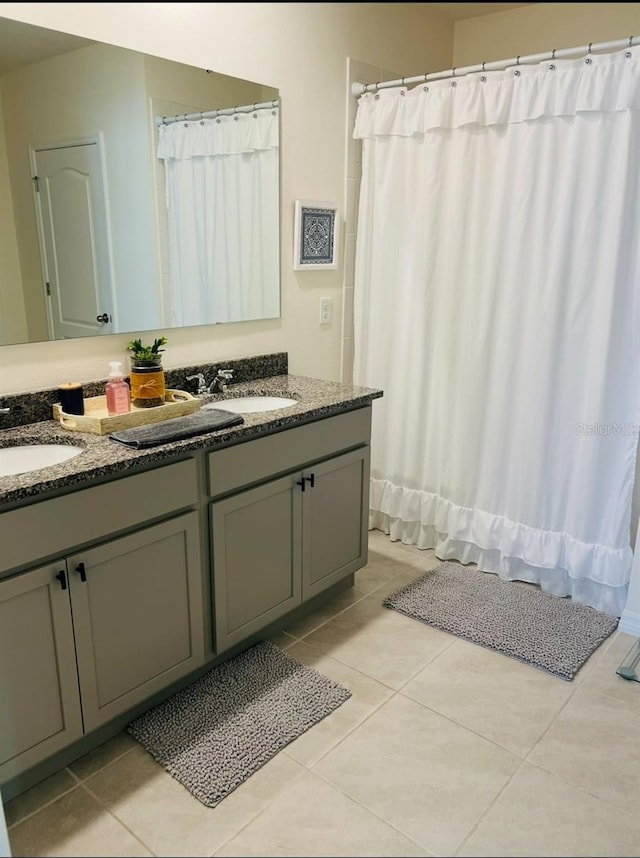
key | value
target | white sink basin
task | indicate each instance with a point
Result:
(252, 404)
(32, 457)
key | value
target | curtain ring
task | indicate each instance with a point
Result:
(483, 64)
(453, 72)
(630, 41)
(425, 77)
(518, 60)
(589, 48)
(553, 54)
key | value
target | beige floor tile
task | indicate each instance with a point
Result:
(379, 642)
(366, 696)
(313, 818)
(381, 542)
(387, 576)
(381, 569)
(104, 754)
(325, 612)
(539, 814)
(496, 696)
(282, 639)
(428, 777)
(168, 819)
(76, 824)
(33, 799)
(599, 673)
(595, 744)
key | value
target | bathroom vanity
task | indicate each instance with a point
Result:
(125, 574)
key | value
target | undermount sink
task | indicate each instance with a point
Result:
(252, 404)
(33, 457)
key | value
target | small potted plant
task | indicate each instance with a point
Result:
(142, 355)
(147, 376)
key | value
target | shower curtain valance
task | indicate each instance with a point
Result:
(602, 83)
(227, 135)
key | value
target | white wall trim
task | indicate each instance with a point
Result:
(630, 623)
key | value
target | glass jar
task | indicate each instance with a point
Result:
(147, 383)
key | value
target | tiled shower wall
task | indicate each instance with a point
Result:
(357, 72)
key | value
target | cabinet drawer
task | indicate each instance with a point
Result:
(267, 457)
(54, 526)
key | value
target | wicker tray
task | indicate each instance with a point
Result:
(97, 420)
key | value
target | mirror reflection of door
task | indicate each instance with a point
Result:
(74, 247)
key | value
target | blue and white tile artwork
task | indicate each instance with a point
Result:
(317, 236)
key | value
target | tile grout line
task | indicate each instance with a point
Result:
(113, 815)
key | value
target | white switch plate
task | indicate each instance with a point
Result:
(325, 311)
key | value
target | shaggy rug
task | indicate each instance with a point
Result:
(215, 733)
(551, 633)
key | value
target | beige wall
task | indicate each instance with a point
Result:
(301, 49)
(540, 28)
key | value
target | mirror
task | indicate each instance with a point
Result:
(115, 218)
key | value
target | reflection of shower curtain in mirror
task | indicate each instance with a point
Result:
(222, 192)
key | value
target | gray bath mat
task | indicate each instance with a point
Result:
(215, 733)
(517, 619)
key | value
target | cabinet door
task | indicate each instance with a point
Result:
(39, 700)
(334, 520)
(137, 614)
(256, 558)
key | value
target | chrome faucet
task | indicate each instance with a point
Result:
(202, 384)
(219, 383)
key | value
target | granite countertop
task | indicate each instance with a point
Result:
(102, 457)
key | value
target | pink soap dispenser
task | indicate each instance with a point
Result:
(117, 390)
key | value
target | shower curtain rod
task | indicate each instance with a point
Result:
(211, 114)
(360, 88)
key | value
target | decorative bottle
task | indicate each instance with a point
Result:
(117, 390)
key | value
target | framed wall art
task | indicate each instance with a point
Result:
(316, 236)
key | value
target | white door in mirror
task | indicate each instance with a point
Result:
(32, 457)
(252, 404)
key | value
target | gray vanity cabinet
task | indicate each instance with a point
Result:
(256, 558)
(115, 619)
(39, 698)
(279, 539)
(137, 616)
(335, 520)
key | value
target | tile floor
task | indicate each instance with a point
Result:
(444, 748)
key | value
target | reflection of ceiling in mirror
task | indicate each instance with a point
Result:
(23, 44)
(66, 93)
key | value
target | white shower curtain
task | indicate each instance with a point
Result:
(222, 188)
(497, 305)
